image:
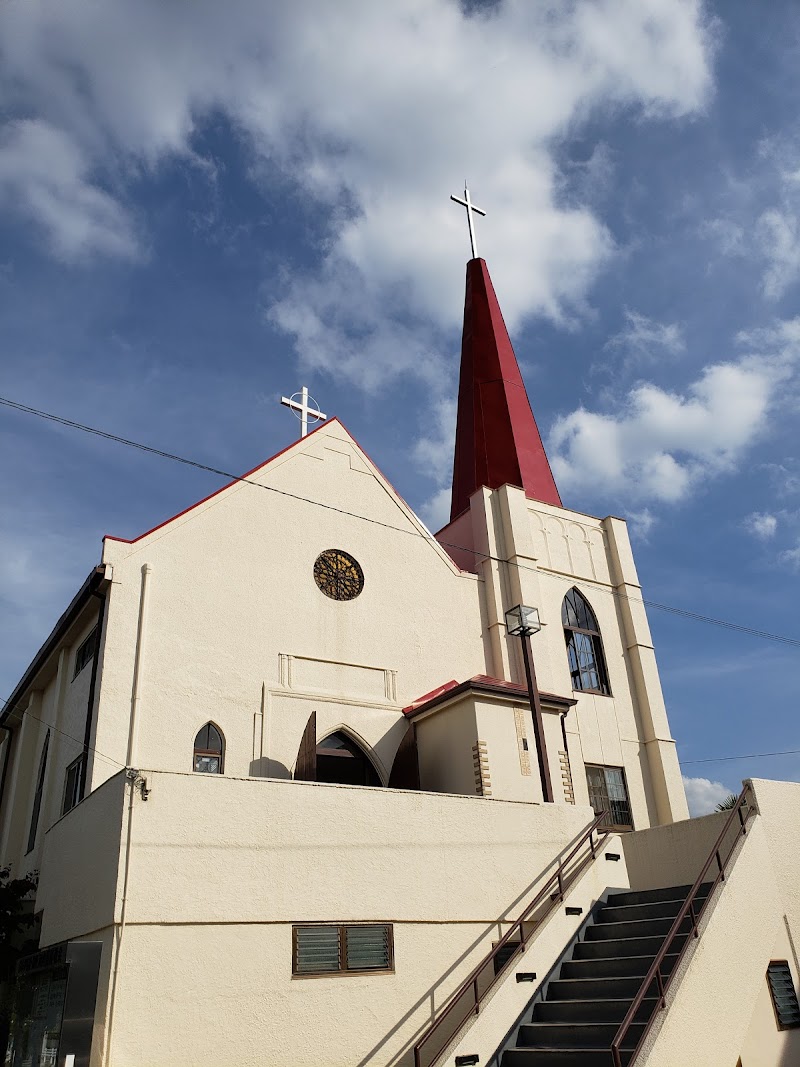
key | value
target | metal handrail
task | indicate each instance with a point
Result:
(470, 984)
(687, 908)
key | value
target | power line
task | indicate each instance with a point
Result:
(27, 711)
(680, 612)
(749, 755)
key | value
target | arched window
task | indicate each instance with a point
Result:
(209, 750)
(587, 664)
(340, 759)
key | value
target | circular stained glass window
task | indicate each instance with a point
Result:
(338, 575)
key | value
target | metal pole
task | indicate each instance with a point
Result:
(536, 715)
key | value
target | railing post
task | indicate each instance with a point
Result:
(660, 981)
(591, 843)
(694, 919)
(475, 991)
(741, 818)
(721, 868)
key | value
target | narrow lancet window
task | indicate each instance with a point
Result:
(37, 797)
(209, 750)
(587, 663)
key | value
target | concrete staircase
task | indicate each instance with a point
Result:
(575, 1023)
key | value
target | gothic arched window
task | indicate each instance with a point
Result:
(340, 759)
(209, 750)
(587, 664)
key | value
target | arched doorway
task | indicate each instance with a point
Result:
(340, 759)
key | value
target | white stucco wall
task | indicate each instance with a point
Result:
(218, 870)
(237, 632)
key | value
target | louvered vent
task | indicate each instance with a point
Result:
(340, 949)
(316, 949)
(784, 997)
(368, 948)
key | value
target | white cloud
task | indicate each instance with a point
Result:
(46, 176)
(641, 523)
(791, 557)
(778, 237)
(642, 335)
(374, 112)
(660, 445)
(703, 795)
(761, 525)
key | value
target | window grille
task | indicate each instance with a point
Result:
(85, 653)
(608, 792)
(784, 998)
(340, 949)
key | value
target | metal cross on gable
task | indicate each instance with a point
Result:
(467, 203)
(302, 409)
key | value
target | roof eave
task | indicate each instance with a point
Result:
(96, 582)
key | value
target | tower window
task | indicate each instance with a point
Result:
(587, 662)
(333, 950)
(608, 792)
(209, 750)
(784, 998)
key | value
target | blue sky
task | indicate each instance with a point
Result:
(203, 206)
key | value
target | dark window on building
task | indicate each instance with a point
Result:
(784, 998)
(37, 796)
(587, 662)
(209, 750)
(85, 653)
(340, 759)
(72, 785)
(342, 949)
(608, 792)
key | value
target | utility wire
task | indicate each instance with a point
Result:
(749, 755)
(29, 714)
(680, 612)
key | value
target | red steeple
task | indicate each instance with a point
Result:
(497, 439)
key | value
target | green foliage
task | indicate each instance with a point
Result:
(728, 803)
(14, 916)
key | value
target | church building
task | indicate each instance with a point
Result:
(308, 786)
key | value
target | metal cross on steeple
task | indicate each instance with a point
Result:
(302, 409)
(467, 203)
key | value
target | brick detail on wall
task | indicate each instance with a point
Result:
(522, 738)
(566, 777)
(480, 761)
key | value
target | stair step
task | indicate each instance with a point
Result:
(613, 967)
(623, 946)
(612, 987)
(651, 896)
(572, 1036)
(591, 1011)
(657, 909)
(603, 931)
(562, 1057)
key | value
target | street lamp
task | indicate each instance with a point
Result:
(521, 622)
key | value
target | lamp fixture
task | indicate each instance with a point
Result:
(522, 621)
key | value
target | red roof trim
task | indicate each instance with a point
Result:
(480, 683)
(166, 522)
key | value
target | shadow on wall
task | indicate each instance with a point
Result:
(405, 1057)
(269, 768)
